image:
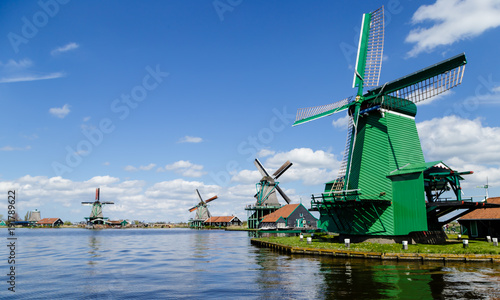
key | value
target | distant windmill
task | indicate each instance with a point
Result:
(202, 212)
(267, 201)
(485, 187)
(267, 186)
(96, 216)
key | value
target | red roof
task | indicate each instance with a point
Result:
(48, 221)
(484, 213)
(223, 219)
(284, 211)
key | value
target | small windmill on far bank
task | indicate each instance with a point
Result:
(485, 187)
(96, 217)
(202, 212)
(267, 201)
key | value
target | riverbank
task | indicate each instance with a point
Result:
(477, 251)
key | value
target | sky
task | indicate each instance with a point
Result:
(150, 100)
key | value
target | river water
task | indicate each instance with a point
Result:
(196, 264)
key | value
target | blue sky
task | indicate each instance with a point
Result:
(151, 100)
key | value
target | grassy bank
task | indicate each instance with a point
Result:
(451, 247)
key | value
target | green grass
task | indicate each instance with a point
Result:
(451, 247)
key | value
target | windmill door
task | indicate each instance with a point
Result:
(300, 222)
(473, 228)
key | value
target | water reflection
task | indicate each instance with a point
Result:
(173, 264)
(94, 245)
(299, 276)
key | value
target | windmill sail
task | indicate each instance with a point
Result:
(340, 181)
(282, 169)
(375, 49)
(423, 84)
(370, 50)
(308, 114)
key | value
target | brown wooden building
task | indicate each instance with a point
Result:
(288, 217)
(482, 222)
(223, 221)
(50, 222)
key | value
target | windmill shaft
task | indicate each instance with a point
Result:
(352, 143)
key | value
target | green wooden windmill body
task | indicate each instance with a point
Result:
(381, 185)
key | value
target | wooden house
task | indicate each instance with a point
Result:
(223, 221)
(289, 216)
(482, 222)
(50, 222)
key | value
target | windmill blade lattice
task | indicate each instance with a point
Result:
(312, 113)
(282, 169)
(375, 49)
(423, 84)
(283, 194)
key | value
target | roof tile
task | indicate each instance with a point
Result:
(484, 213)
(284, 212)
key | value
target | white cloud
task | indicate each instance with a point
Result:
(341, 123)
(60, 112)
(19, 71)
(148, 167)
(265, 152)
(185, 168)
(190, 139)
(465, 145)
(16, 65)
(454, 20)
(60, 197)
(310, 167)
(130, 168)
(65, 48)
(31, 77)
(247, 176)
(10, 148)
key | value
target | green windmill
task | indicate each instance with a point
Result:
(384, 186)
(96, 216)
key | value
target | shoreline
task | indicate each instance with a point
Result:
(406, 256)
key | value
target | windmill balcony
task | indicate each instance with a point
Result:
(335, 196)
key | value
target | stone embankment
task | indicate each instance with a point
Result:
(378, 255)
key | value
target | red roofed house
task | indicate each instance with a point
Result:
(222, 221)
(289, 216)
(50, 222)
(482, 222)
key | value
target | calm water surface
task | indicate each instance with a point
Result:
(191, 264)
